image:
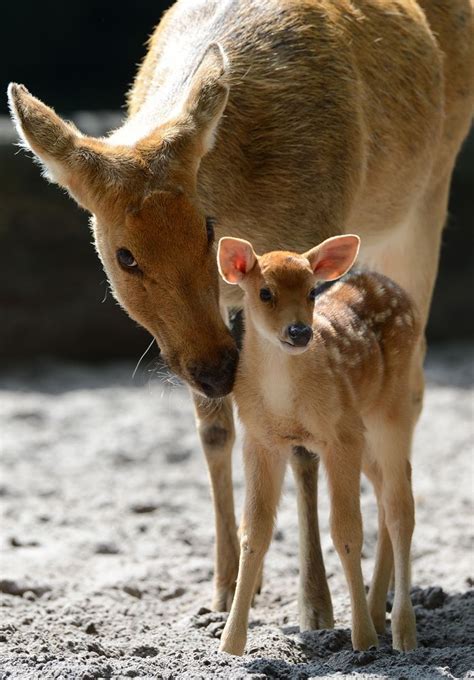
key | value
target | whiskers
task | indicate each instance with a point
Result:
(162, 372)
(208, 406)
(142, 357)
(156, 368)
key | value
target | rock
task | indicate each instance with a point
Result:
(143, 508)
(133, 591)
(91, 629)
(106, 548)
(173, 593)
(19, 588)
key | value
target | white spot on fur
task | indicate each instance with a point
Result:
(382, 316)
(394, 302)
(380, 290)
(399, 321)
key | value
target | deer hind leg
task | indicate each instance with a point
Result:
(314, 598)
(215, 425)
(343, 465)
(399, 510)
(264, 472)
(384, 558)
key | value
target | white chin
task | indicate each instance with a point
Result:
(291, 349)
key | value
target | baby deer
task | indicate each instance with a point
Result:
(326, 368)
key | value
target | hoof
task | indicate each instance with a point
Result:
(404, 631)
(313, 619)
(363, 640)
(234, 646)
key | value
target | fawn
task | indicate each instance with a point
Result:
(329, 369)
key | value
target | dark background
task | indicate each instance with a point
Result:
(82, 57)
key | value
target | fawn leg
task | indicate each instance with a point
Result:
(314, 598)
(343, 464)
(264, 472)
(215, 425)
(384, 558)
(399, 509)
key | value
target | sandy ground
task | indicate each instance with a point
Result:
(107, 539)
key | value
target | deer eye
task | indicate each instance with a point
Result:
(126, 259)
(210, 224)
(266, 295)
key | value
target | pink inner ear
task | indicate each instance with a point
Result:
(334, 256)
(240, 264)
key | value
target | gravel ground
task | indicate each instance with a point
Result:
(107, 538)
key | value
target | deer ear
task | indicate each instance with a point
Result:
(235, 258)
(207, 97)
(43, 132)
(333, 257)
(83, 165)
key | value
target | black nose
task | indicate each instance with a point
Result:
(299, 334)
(216, 379)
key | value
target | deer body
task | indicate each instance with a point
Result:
(291, 76)
(287, 121)
(346, 398)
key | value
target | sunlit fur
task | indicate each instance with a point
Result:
(288, 121)
(346, 398)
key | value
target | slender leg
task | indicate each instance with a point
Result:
(343, 464)
(264, 472)
(399, 509)
(315, 606)
(216, 429)
(384, 557)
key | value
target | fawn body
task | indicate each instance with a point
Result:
(335, 380)
(287, 121)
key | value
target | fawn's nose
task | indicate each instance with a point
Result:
(216, 379)
(299, 334)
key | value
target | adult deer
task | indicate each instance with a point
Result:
(286, 121)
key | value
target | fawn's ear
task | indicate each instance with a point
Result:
(333, 257)
(235, 258)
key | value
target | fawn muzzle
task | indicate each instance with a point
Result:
(298, 334)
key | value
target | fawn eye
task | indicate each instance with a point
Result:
(126, 259)
(313, 293)
(266, 295)
(210, 224)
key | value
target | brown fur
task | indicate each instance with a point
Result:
(288, 121)
(348, 397)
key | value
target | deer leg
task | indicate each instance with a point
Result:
(384, 558)
(343, 464)
(215, 425)
(314, 598)
(264, 472)
(399, 510)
